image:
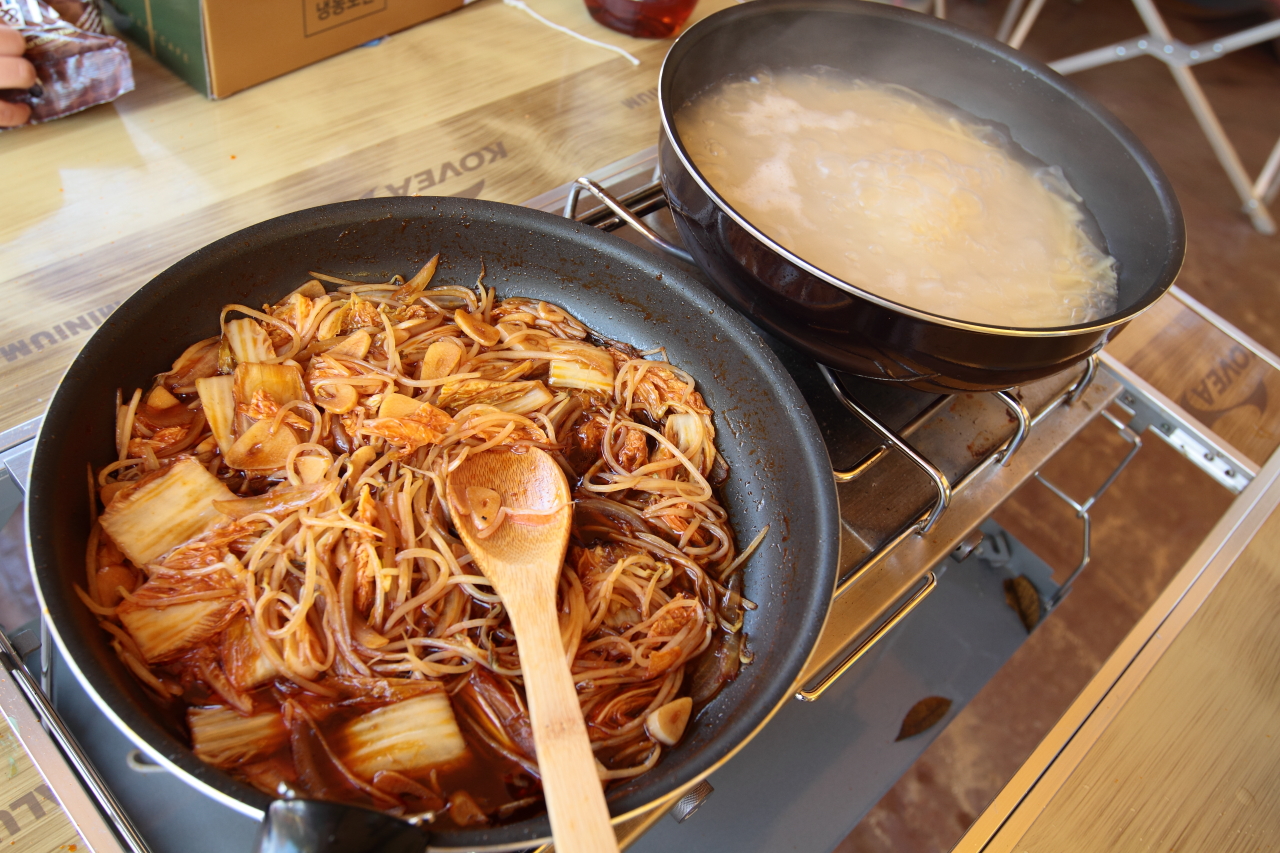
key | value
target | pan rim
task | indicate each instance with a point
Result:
(154, 740)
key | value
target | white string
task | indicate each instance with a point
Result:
(520, 4)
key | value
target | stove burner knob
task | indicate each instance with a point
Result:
(692, 799)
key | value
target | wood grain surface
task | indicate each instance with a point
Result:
(484, 102)
(1190, 762)
(31, 820)
(1219, 380)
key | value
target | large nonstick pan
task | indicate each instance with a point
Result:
(780, 473)
(853, 329)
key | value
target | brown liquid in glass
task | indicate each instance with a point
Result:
(653, 19)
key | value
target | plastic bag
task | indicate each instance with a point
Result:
(77, 67)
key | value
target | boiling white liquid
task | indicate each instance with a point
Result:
(887, 191)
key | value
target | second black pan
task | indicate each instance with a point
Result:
(780, 473)
(855, 330)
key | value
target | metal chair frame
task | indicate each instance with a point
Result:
(1159, 42)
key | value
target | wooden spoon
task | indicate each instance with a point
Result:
(513, 511)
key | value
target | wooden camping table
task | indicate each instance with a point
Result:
(1177, 737)
(485, 102)
(1175, 743)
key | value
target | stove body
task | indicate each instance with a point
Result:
(920, 610)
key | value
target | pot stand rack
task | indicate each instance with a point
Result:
(914, 470)
(1160, 43)
(917, 474)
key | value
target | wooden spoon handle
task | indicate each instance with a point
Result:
(575, 799)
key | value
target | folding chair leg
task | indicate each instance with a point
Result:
(1209, 123)
(1011, 13)
(1024, 24)
(1223, 148)
(1254, 197)
(1269, 181)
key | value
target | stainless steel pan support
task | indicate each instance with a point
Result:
(629, 208)
(37, 721)
(856, 621)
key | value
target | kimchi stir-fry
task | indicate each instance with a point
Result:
(273, 556)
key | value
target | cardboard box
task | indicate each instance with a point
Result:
(223, 46)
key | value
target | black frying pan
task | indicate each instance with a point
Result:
(855, 330)
(780, 472)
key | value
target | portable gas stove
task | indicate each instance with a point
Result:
(919, 609)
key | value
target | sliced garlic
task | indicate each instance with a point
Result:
(335, 398)
(356, 345)
(396, 405)
(484, 505)
(311, 469)
(478, 330)
(260, 449)
(666, 724)
(160, 398)
(441, 359)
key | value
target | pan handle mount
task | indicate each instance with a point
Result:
(940, 483)
(626, 215)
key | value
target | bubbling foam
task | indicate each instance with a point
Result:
(895, 194)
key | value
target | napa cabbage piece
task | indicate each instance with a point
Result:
(217, 396)
(685, 432)
(421, 423)
(163, 633)
(281, 501)
(518, 398)
(159, 514)
(693, 435)
(223, 737)
(581, 365)
(655, 388)
(416, 734)
(249, 341)
(281, 383)
(242, 659)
